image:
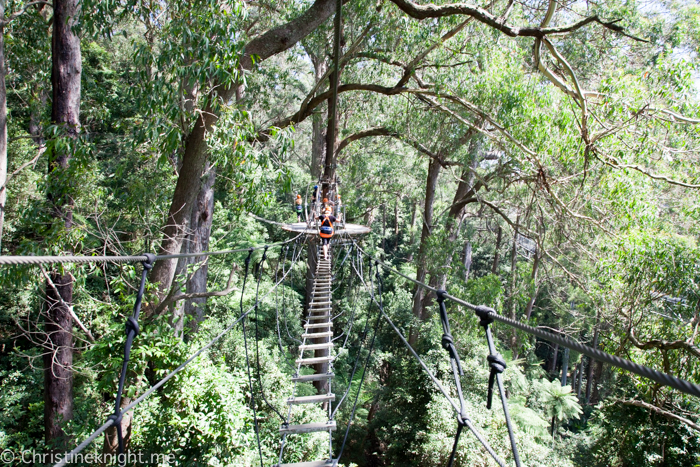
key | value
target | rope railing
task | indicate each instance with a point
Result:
(111, 420)
(29, 260)
(662, 378)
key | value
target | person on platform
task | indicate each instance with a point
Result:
(314, 200)
(299, 208)
(326, 230)
(327, 205)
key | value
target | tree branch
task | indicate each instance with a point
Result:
(661, 344)
(662, 412)
(13, 16)
(421, 12)
(383, 131)
(68, 307)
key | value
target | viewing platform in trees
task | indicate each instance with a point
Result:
(340, 228)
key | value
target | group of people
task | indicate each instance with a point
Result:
(322, 212)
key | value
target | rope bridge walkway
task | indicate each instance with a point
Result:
(317, 340)
(319, 337)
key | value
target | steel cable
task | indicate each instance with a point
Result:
(662, 378)
(72, 454)
(28, 260)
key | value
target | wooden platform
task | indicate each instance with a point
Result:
(349, 229)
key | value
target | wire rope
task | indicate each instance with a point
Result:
(30, 260)
(662, 378)
(69, 457)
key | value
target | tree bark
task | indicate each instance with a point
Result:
(553, 363)
(513, 282)
(589, 376)
(318, 131)
(467, 260)
(384, 228)
(188, 184)
(329, 167)
(462, 198)
(65, 113)
(496, 256)
(3, 125)
(421, 269)
(535, 287)
(198, 241)
(565, 367)
(580, 379)
(396, 218)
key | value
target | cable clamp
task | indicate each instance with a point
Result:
(448, 344)
(498, 365)
(441, 295)
(150, 259)
(486, 314)
(116, 419)
(463, 419)
(132, 325)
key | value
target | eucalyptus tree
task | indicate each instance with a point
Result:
(65, 114)
(219, 76)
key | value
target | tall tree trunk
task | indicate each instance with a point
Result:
(414, 210)
(198, 241)
(597, 376)
(591, 362)
(462, 198)
(467, 260)
(534, 287)
(580, 379)
(421, 269)
(318, 128)
(264, 46)
(65, 112)
(384, 228)
(565, 366)
(3, 125)
(396, 218)
(513, 303)
(497, 255)
(553, 362)
(330, 164)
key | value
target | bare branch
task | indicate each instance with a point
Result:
(422, 12)
(662, 412)
(13, 16)
(613, 162)
(68, 307)
(661, 344)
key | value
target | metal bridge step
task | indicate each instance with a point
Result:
(314, 361)
(314, 377)
(308, 428)
(317, 335)
(315, 317)
(310, 399)
(326, 345)
(327, 463)
(318, 325)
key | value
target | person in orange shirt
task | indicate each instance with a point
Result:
(298, 208)
(326, 229)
